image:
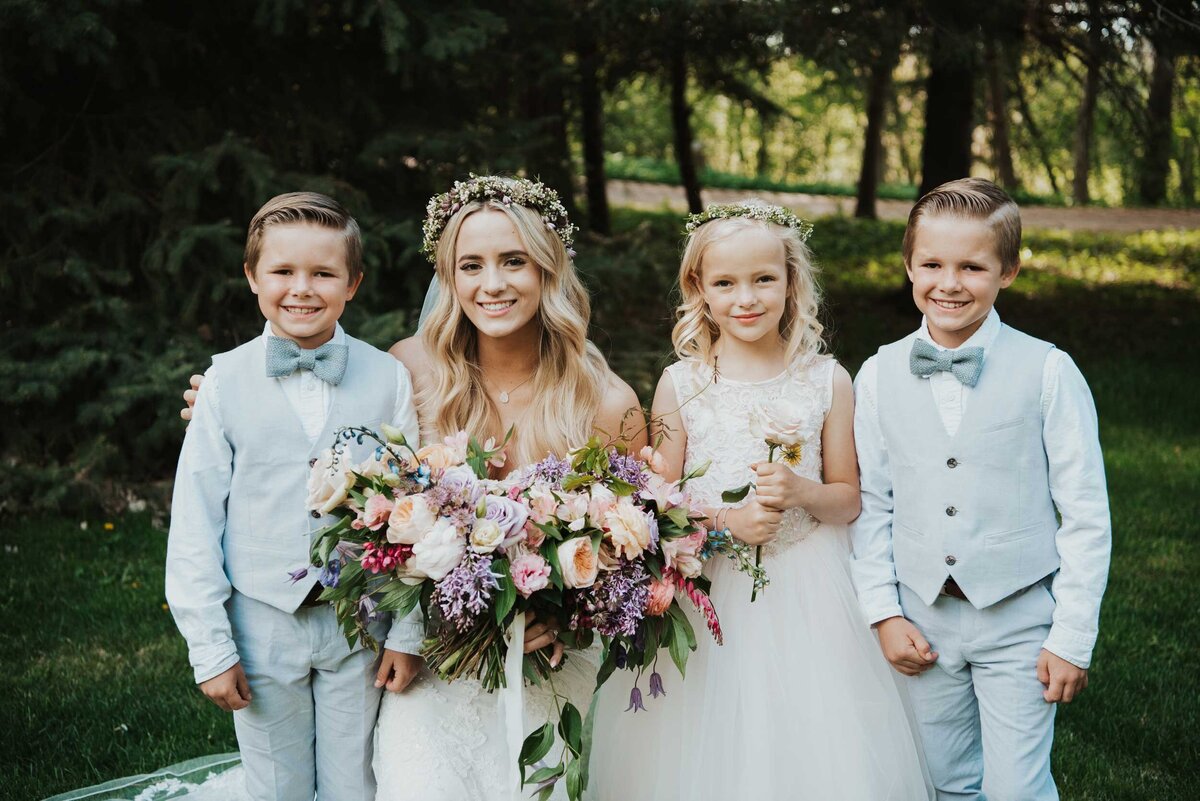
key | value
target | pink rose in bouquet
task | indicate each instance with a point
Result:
(682, 554)
(530, 573)
(375, 513)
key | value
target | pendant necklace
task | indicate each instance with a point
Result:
(504, 394)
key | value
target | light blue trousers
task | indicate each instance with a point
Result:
(986, 729)
(307, 732)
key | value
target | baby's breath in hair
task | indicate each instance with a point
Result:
(753, 211)
(521, 191)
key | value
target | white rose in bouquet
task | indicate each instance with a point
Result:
(328, 485)
(437, 553)
(486, 535)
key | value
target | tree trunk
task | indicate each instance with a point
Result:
(592, 113)
(1002, 160)
(682, 124)
(1035, 134)
(1085, 121)
(878, 87)
(1156, 160)
(1083, 135)
(549, 157)
(1187, 170)
(949, 103)
(762, 164)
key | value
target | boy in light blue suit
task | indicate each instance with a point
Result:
(974, 439)
(261, 645)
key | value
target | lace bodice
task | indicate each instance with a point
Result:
(717, 415)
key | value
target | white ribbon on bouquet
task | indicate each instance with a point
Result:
(512, 701)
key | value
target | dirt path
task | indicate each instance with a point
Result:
(656, 196)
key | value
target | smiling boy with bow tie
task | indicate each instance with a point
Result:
(261, 646)
(973, 440)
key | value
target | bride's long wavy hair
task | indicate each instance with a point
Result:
(696, 333)
(571, 374)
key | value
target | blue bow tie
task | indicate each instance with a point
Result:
(965, 364)
(327, 362)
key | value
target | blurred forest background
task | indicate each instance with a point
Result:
(137, 138)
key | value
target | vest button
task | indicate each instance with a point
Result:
(950, 560)
(951, 511)
(952, 463)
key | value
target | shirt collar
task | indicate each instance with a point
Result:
(339, 336)
(982, 338)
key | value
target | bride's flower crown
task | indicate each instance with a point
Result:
(754, 210)
(508, 191)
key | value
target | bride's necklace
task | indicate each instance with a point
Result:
(505, 393)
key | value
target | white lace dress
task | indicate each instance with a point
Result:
(440, 741)
(799, 702)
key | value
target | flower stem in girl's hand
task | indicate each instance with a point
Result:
(736, 495)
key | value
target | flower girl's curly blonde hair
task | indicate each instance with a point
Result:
(696, 333)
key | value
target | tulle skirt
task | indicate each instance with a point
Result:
(798, 703)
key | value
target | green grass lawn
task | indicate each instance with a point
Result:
(95, 681)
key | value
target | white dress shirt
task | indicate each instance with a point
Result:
(207, 459)
(1070, 433)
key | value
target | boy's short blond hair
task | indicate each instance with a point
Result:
(974, 199)
(305, 207)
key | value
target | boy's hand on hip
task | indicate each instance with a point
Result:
(189, 396)
(397, 670)
(228, 690)
(904, 646)
(1062, 680)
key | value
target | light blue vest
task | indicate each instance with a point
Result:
(267, 529)
(975, 506)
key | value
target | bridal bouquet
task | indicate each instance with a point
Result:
(594, 543)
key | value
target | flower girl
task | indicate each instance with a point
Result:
(798, 703)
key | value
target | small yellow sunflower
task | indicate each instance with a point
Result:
(791, 454)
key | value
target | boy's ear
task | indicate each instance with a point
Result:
(908, 269)
(1007, 278)
(353, 287)
(249, 271)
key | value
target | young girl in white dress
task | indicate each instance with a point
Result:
(798, 703)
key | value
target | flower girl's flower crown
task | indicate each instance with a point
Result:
(754, 210)
(521, 191)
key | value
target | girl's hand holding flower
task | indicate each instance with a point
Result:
(777, 487)
(754, 523)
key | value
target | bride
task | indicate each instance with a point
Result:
(504, 346)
